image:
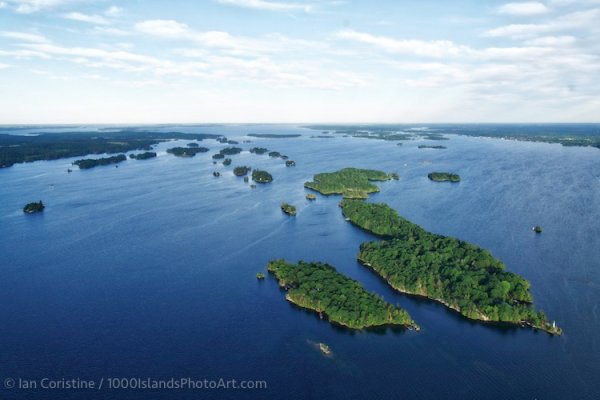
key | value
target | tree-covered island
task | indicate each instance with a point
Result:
(274, 135)
(260, 176)
(241, 171)
(460, 275)
(34, 207)
(230, 151)
(186, 151)
(290, 163)
(227, 162)
(288, 209)
(443, 177)
(352, 183)
(430, 146)
(218, 156)
(259, 150)
(143, 156)
(88, 163)
(344, 301)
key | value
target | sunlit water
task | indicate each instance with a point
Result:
(148, 270)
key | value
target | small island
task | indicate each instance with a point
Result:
(290, 163)
(311, 196)
(193, 144)
(88, 163)
(241, 171)
(216, 174)
(288, 209)
(260, 276)
(352, 183)
(258, 150)
(344, 301)
(218, 156)
(274, 154)
(537, 229)
(443, 177)
(32, 208)
(227, 162)
(429, 146)
(460, 275)
(260, 176)
(230, 151)
(143, 156)
(186, 151)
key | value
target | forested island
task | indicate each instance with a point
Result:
(290, 163)
(258, 150)
(288, 209)
(34, 207)
(460, 275)
(274, 135)
(186, 151)
(143, 156)
(319, 287)
(227, 162)
(260, 176)
(241, 171)
(94, 162)
(193, 144)
(230, 151)
(218, 156)
(429, 146)
(352, 183)
(52, 146)
(443, 177)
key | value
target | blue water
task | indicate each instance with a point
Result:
(148, 270)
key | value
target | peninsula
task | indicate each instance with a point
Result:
(460, 275)
(352, 183)
(344, 301)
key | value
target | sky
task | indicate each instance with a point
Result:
(329, 61)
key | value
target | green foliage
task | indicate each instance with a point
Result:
(227, 162)
(290, 163)
(91, 163)
(321, 288)
(310, 196)
(31, 208)
(241, 171)
(51, 146)
(288, 209)
(352, 183)
(443, 177)
(193, 144)
(274, 154)
(259, 176)
(258, 150)
(218, 156)
(230, 151)
(186, 151)
(260, 276)
(537, 229)
(143, 156)
(461, 275)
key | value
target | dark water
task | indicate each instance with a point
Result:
(148, 270)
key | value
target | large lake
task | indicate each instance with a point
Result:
(148, 270)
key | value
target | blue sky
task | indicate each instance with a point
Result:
(101, 61)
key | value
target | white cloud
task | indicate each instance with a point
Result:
(2, 66)
(91, 19)
(32, 6)
(3, 4)
(578, 20)
(26, 37)
(269, 5)
(523, 9)
(554, 41)
(163, 27)
(432, 48)
(107, 30)
(114, 11)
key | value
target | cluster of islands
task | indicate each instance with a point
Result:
(455, 273)
(413, 261)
